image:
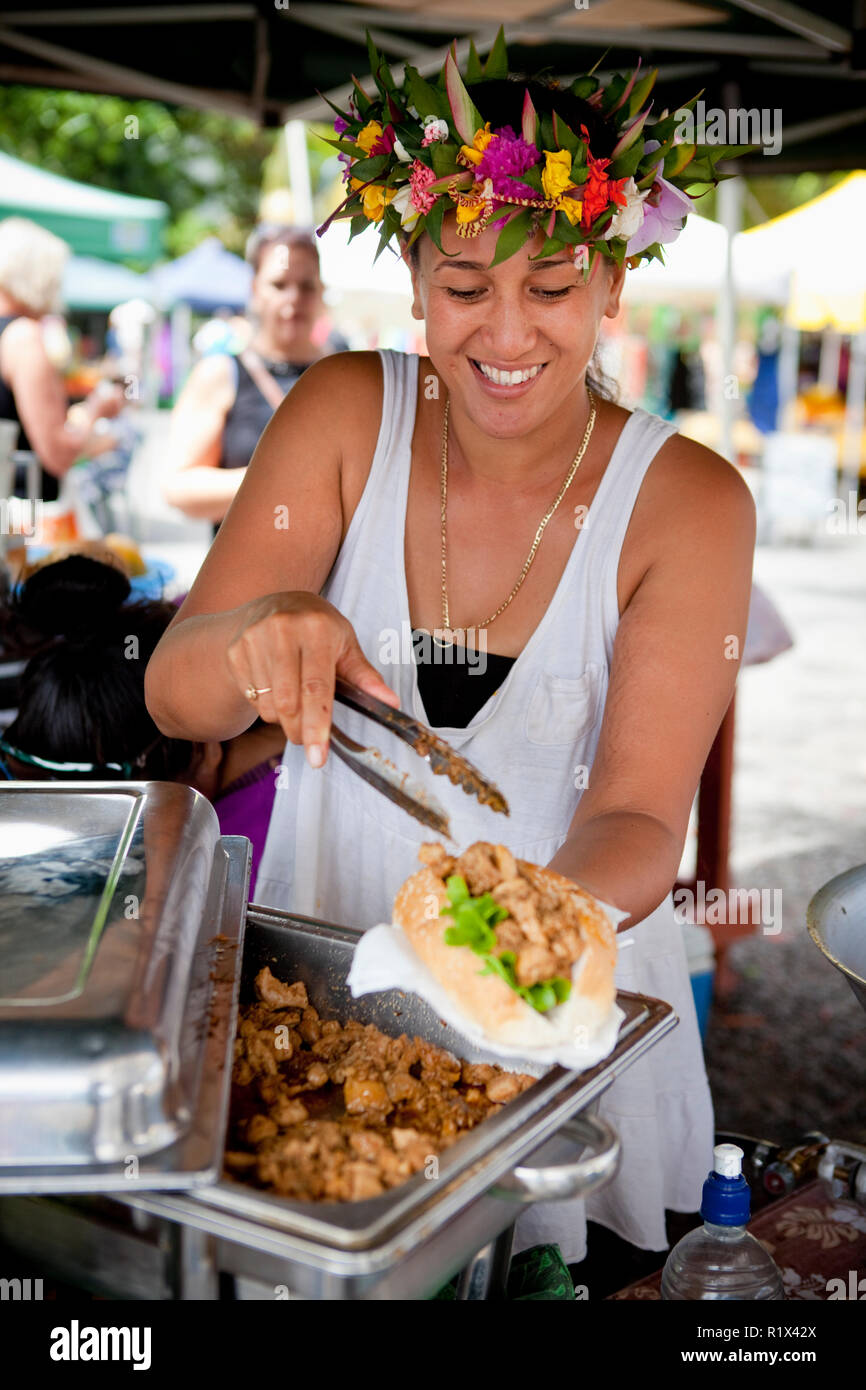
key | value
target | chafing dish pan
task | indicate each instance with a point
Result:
(121, 915)
(407, 1242)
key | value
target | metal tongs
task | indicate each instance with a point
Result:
(398, 786)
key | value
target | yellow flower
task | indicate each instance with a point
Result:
(475, 203)
(479, 144)
(572, 207)
(369, 135)
(376, 198)
(556, 175)
(470, 211)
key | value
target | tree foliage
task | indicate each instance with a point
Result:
(206, 166)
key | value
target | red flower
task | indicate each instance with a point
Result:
(600, 190)
(385, 142)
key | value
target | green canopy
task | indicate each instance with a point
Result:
(94, 221)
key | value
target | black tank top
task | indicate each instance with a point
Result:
(453, 691)
(9, 411)
(250, 412)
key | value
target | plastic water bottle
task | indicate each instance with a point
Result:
(721, 1259)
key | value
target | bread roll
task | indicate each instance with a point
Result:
(496, 1008)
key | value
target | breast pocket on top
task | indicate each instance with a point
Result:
(563, 708)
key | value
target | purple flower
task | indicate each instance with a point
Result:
(664, 220)
(506, 155)
(340, 125)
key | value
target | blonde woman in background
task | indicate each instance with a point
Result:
(32, 392)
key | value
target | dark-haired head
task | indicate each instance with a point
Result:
(82, 696)
(286, 295)
(268, 234)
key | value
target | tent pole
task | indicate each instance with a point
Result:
(731, 216)
(855, 410)
(828, 368)
(299, 173)
(181, 337)
(789, 373)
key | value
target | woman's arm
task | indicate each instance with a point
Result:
(254, 615)
(675, 663)
(197, 486)
(40, 399)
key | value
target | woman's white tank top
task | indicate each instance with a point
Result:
(339, 850)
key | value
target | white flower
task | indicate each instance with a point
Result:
(626, 220)
(402, 201)
(436, 128)
(401, 152)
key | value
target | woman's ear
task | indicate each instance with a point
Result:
(412, 261)
(617, 282)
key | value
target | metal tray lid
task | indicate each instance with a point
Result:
(121, 920)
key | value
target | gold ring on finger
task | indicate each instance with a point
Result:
(253, 694)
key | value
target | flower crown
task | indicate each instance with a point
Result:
(412, 152)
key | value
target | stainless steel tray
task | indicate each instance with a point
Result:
(121, 919)
(473, 1197)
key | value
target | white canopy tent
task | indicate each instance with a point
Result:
(819, 244)
(371, 296)
(694, 270)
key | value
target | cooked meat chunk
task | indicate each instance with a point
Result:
(260, 1127)
(364, 1097)
(504, 1087)
(535, 963)
(317, 1075)
(280, 996)
(348, 1113)
(288, 1111)
(310, 1027)
(480, 867)
(437, 858)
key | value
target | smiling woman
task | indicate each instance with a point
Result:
(487, 492)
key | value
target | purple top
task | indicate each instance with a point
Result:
(244, 808)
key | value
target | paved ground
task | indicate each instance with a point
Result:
(787, 1053)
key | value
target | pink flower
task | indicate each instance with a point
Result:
(420, 175)
(665, 212)
(507, 154)
(435, 131)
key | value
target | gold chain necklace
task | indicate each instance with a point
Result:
(446, 638)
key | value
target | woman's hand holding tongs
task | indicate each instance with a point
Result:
(285, 657)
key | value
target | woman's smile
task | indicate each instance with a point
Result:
(503, 381)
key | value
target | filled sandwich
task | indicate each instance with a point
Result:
(521, 950)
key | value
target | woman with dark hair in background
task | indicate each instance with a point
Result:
(227, 401)
(81, 712)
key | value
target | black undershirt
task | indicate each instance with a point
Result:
(452, 689)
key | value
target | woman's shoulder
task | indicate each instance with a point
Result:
(693, 483)
(22, 335)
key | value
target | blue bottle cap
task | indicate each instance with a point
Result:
(726, 1199)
